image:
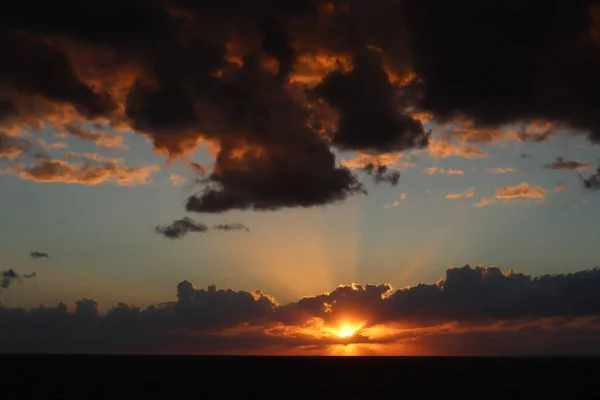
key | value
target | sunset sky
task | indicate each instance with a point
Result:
(314, 147)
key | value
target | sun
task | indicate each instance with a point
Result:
(347, 330)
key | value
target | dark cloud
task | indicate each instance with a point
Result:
(527, 136)
(368, 106)
(194, 72)
(561, 163)
(381, 173)
(504, 62)
(38, 254)
(180, 228)
(592, 181)
(8, 277)
(275, 87)
(470, 303)
(235, 226)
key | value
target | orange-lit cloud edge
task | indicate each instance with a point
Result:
(472, 311)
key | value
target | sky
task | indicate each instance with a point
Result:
(341, 178)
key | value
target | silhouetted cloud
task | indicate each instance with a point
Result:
(180, 228)
(38, 254)
(468, 305)
(8, 277)
(561, 163)
(381, 173)
(495, 90)
(592, 181)
(275, 88)
(235, 226)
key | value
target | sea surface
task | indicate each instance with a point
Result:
(198, 377)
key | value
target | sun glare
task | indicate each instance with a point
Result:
(347, 330)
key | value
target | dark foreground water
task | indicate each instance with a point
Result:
(145, 377)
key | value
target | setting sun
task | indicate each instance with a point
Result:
(347, 330)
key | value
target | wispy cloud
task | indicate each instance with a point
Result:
(48, 170)
(435, 170)
(502, 170)
(442, 149)
(466, 194)
(561, 163)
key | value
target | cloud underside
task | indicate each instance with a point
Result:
(276, 88)
(473, 310)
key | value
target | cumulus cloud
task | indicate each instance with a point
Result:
(38, 254)
(272, 86)
(561, 163)
(521, 190)
(181, 227)
(470, 304)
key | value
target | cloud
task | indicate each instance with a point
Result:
(12, 147)
(381, 173)
(442, 149)
(561, 163)
(502, 170)
(560, 189)
(235, 226)
(181, 227)
(92, 157)
(521, 190)
(8, 277)
(434, 170)
(495, 90)
(103, 140)
(592, 181)
(176, 180)
(52, 146)
(362, 160)
(466, 194)
(38, 254)
(485, 201)
(390, 129)
(49, 170)
(536, 132)
(273, 86)
(484, 309)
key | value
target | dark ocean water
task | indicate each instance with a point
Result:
(163, 377)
